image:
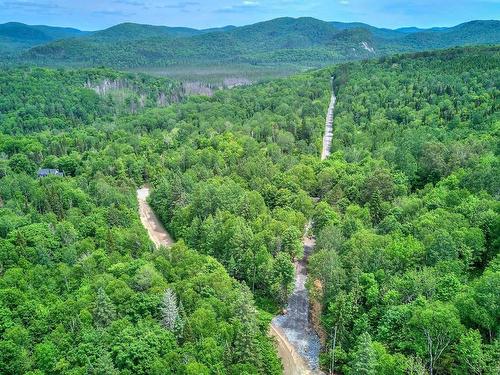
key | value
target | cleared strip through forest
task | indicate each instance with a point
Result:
(298, 344)
(327, 137)
(150, 221)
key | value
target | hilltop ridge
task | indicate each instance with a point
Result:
(295, 43)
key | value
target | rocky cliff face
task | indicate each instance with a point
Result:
(133, 97)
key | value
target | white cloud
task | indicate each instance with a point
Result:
(249, 3)
(344, 2)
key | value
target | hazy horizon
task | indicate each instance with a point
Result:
(95, 15)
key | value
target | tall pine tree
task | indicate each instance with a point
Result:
(104, 310)
(169, 310)
(364, 361)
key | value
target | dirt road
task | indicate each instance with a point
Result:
(156, 231)
(293, 364)
(298, 343)
(299, 335)
(327, 137)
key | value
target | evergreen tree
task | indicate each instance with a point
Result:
(104, 310)
(104, 365)
(364, 361)
(244, 344)
(169, 310)
(375, 207)
(283, 275)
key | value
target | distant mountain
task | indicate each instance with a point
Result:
(60, 32)
(129, 31)
(376, 31)
(135, 31)
(303, 41)
(15, 36)
(131, 45)
(286, 33)
(469, 33)
(415, 39)
(219, 29)
(411, 30)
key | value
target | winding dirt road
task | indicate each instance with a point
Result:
(293, 363)
(150, 221)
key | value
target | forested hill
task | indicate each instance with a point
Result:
(130, 31)
(15, 36)
(406, 278)
(407, 226)
(303, 41)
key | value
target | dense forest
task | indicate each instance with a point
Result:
(406, 274)
(82, 290)
(37, 99)
(407, 270)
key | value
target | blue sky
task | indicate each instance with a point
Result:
(98, 14)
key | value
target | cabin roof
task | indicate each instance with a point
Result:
(42, 172)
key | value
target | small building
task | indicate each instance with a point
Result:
(44, 172)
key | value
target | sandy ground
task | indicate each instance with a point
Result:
(293, 364)
(156, 231)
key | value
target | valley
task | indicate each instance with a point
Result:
(294, 196)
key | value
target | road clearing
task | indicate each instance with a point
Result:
(298, 343)
(150, 221)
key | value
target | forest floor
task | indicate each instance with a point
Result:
(156, 231)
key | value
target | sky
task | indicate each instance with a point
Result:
(99, 14)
